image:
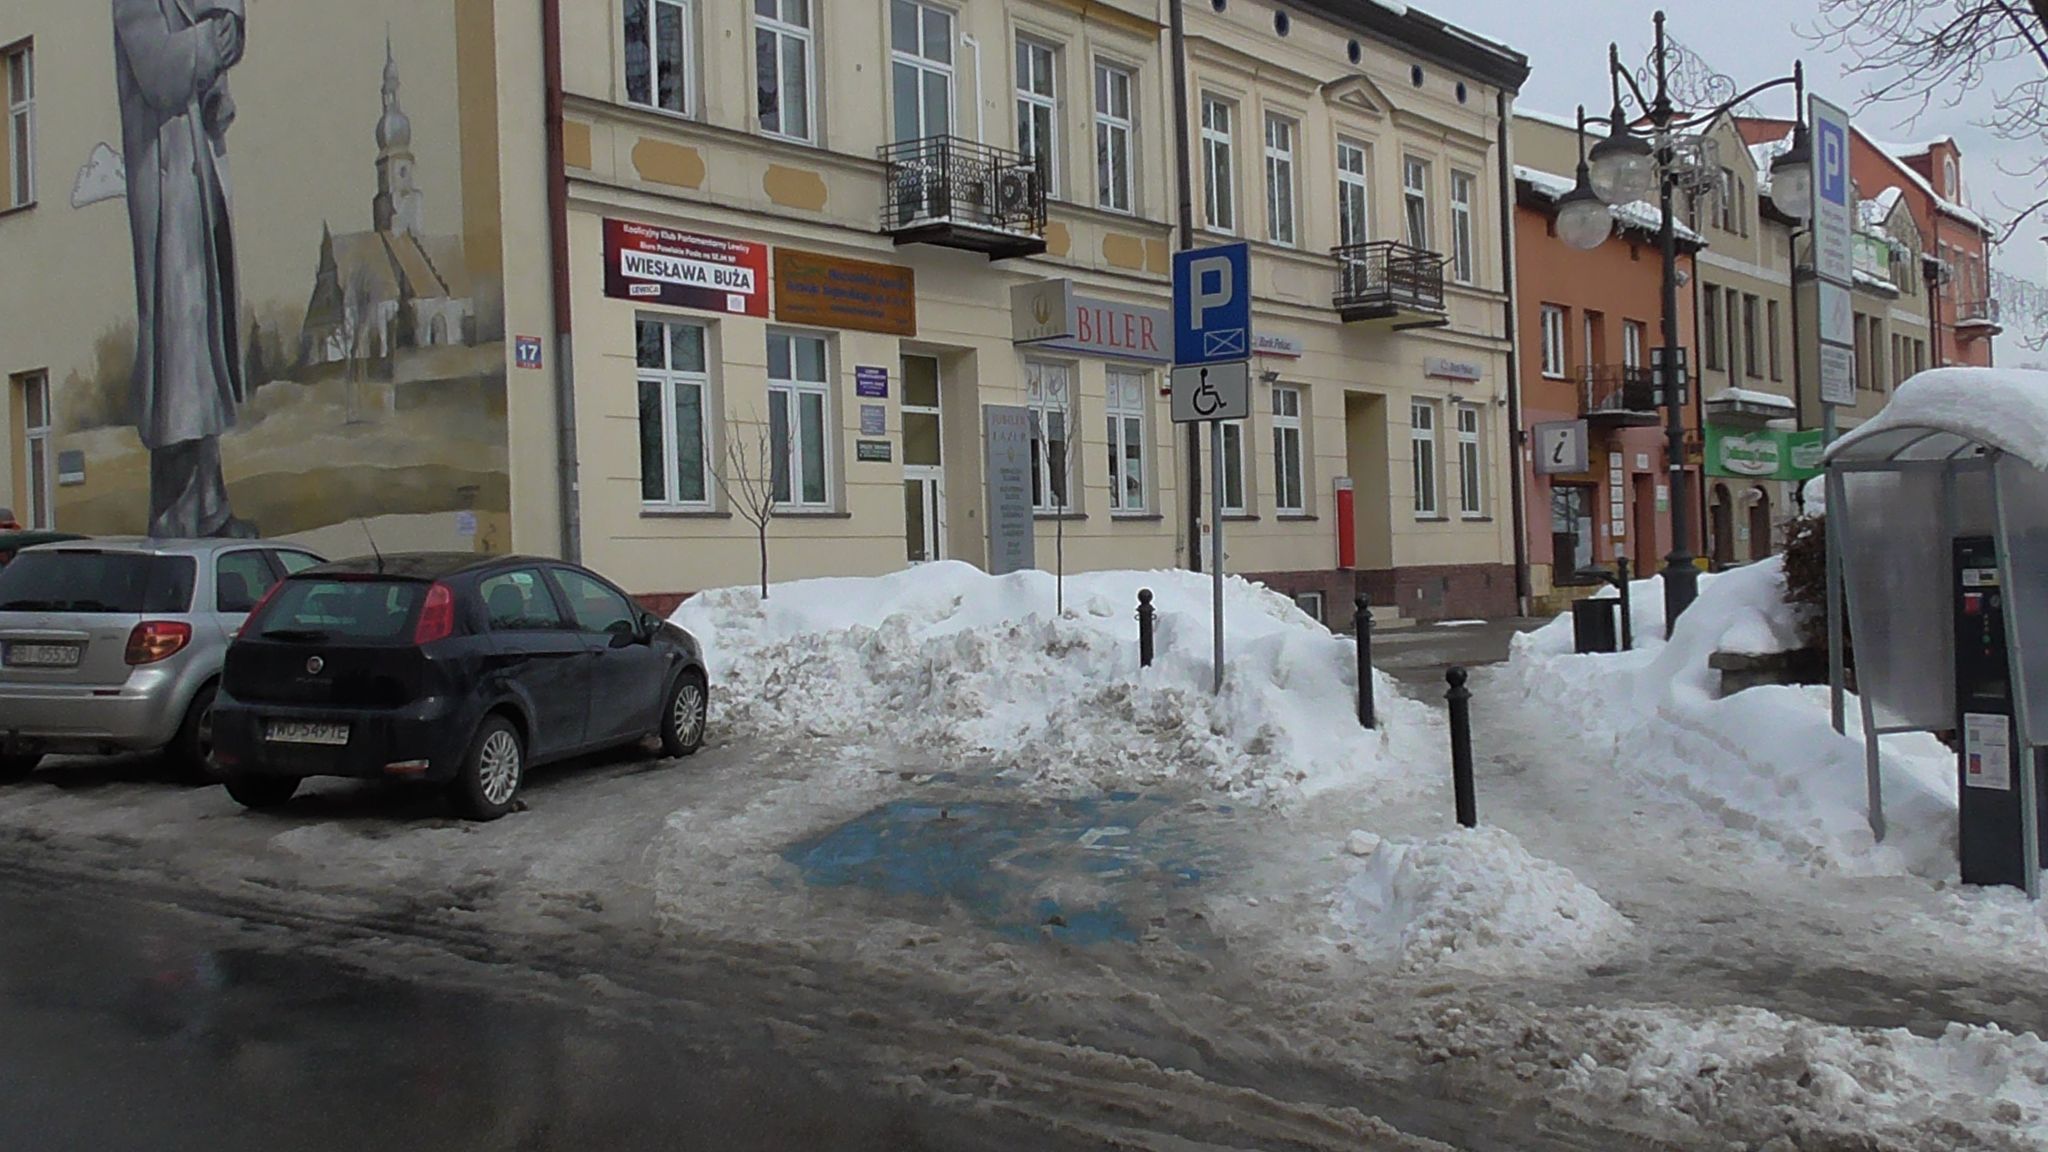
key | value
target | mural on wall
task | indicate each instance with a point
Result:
(236, 403)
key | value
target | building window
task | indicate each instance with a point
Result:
(1724, 201)
(1415, 202)
(1354, 205)
(1038, 113)
(1553, 342)
(1462, 269)
(1633, 337)
(1127, 472)
(674, 415)
(1948, 177)
(39, 459)
(1594, 327)
(1422, 438)
(1051, 397)
(1114, 127)
(921, 69)
(1279, 180)
(1710, 340)
(782, 67)
(658, 54)
(1877, 344)
(1218, 175)
(1733, 310)
(1750, 365)
(798, 402)
(20, 66)
(1771, 334)
(1471, 468)
(1289, 466)
(1233, 469)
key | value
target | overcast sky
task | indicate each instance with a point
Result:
(1751, 41)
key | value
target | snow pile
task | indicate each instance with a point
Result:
(2005, 408)
(958, 663)
(1766, 760)
(1473, 899)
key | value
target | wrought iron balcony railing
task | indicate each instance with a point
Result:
(1386, 279)
(959, 194)
(1983, 310)
(1619, 392)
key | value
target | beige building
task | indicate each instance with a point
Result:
(786, 253)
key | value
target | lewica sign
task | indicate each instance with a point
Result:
(683, 269)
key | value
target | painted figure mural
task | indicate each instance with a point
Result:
(172, 58)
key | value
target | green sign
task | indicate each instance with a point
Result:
(1763, 453)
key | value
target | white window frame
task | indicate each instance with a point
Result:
(671, 379)
(1634, 335)
(1235, 452)
(686, 10)
(1422, 447)
(1053, 500)
(1354, 193)
(1415, 204)
(1030, 101)
(34, 390)
(920, 63)
(1116, 188)
(20, 72)
(1471, 464)
(1464, 256)
(1290, 491)
(1122, 412)
(1281, 133)
(1219, 164)
(1553, 342)
(789, 393)
(782, 31)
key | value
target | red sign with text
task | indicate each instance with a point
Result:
(664, 266)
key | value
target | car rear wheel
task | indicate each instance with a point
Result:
(14, 768)
(488, 785)
(682, 719)
(192, 751)
(261, 792)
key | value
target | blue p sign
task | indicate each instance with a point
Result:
(1212, 305)
(1833, 161)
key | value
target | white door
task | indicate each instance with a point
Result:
(924, 472)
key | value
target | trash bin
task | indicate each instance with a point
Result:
(1596, 625)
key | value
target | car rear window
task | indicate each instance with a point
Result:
(114, 583)
(324, 608)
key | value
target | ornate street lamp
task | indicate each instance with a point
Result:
(1659, 150)
(1584, 221)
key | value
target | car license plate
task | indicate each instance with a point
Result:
(43, 655)
(302, 732)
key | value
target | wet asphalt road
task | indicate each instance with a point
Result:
(133, 1028)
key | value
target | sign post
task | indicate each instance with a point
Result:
(1212, 346)
(1834, 269)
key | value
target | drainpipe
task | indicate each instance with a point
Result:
(558, 243)
(1517, 439)
(1177, 38)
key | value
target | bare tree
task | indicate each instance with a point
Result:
(749, 483)
(356, 324)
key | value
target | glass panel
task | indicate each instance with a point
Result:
(17, 77)
(1056, 455)
(903, 26)
(690, 443)
(797, 12)
(778, 441)
(686, 347)
(796, 83)
(913, 521)
(810, 360)
(768, 98)
(938, 104)
(907, 121)
(1115, 465)
(765, 8)
(39, 482)
(811, 408)
(778, 358)
(920, 382)
(639, 73)
(595, 607)
(1233, 466)
(648, 353)
(653, 458)
(669, 56)
(920, 438)
(938, 35)
(1134, 463)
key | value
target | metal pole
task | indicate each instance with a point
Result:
(1460, 698)
(1838, 676)
(1145, 614)
(1361, 623)
(1216, 542)
(1628, 623)
(1176, 22)
(1681, 579)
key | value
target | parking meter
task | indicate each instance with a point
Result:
(1989, 759)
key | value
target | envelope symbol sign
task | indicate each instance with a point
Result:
(1229, 342)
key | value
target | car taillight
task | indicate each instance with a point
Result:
(437, 616)
(155, 640)
(257, 611)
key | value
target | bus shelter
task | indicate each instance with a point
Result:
(1938, 557)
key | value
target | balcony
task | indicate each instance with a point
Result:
(1978, 319)
(956, 193)
(1618, 396)
(1390, 283)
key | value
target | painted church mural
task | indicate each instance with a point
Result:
(309, 348)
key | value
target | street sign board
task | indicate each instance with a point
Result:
(1212, 305)
(1837, 374)
(1561, 448)
(1837, 315)
(1831, 192)
(1212, 392)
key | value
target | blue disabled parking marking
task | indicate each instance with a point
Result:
(995, 860)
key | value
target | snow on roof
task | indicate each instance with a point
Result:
(1873, 211)
(1753, 397)
(1873, 280)
(1898, 154)
(1944, 412)
(1641, 214)
(1921, 148)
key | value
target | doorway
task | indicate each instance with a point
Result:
(1643, 549)
(1723, 519)
(924, 465)
(1571, 532)
(1760, 525)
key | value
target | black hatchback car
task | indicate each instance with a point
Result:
(448, 669)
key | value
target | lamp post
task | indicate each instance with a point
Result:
(1660, 149)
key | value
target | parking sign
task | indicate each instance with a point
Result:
(1212, 305)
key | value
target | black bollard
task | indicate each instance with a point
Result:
(1460, 698)
(1628, 619)
(1145, 614)
(1362, 624)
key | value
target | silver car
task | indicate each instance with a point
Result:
(115, 645)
